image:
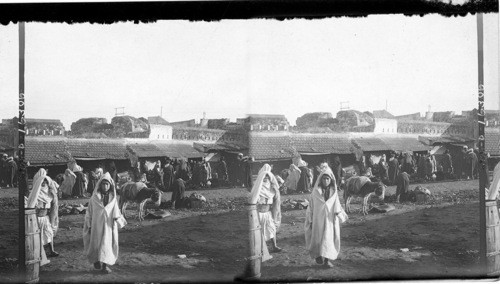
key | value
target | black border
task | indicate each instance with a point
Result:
(111, 12)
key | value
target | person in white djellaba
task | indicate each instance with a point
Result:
(265, 193)
(43, 197)
(102, 221)
(323, 217)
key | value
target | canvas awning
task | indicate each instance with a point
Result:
(438, 150)
(213, 157)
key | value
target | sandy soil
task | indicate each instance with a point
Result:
(438, 239)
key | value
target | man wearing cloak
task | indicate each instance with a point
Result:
(265, 193)
(168, 175)
(323, 217)
(100, 229)
(304, 183)
(79, 186)
(69, 180)
(292, 180)
(178, 190)
(393, 168)
(43, 197)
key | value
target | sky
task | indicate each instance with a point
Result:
(231, 68)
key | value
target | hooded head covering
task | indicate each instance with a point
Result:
(112, 189)
(302, 163)
(74, 167)
(324, 166)
(259, 182)
(328, 172)
(44, 194)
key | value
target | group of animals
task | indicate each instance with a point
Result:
(357, 186)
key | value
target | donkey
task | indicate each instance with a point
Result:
(361, 186)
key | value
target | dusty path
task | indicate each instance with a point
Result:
(441, 237)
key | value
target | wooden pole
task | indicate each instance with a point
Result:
(481, 146)
(254, 250)
(22, 186)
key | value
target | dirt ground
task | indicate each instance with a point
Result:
(436, 239)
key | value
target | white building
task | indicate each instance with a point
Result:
(160, 132)
(385, 125)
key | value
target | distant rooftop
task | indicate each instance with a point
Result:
(382, 114)
(281, 116)
(157, 120)
(410, 116)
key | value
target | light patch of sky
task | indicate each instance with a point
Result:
(231, 68)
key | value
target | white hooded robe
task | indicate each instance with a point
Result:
(261, 194)
(293, 178)
(323, 218)
(101, 243)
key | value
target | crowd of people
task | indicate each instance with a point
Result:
(77, 182)
(323, 216)
(421, 167)
(324, 212)
(102, 218)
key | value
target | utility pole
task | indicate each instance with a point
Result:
(22, 186)
(481, 145)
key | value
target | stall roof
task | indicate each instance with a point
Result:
(492, 142)
(431, 140)
(113, 149)
(177, 149)
(145, 150)
(403, 143)
(322, 143)
(222, 146)
(43, 151)
(270, 146)
(370, 144)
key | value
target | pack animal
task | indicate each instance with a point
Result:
(139, 193)
(361, 186)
